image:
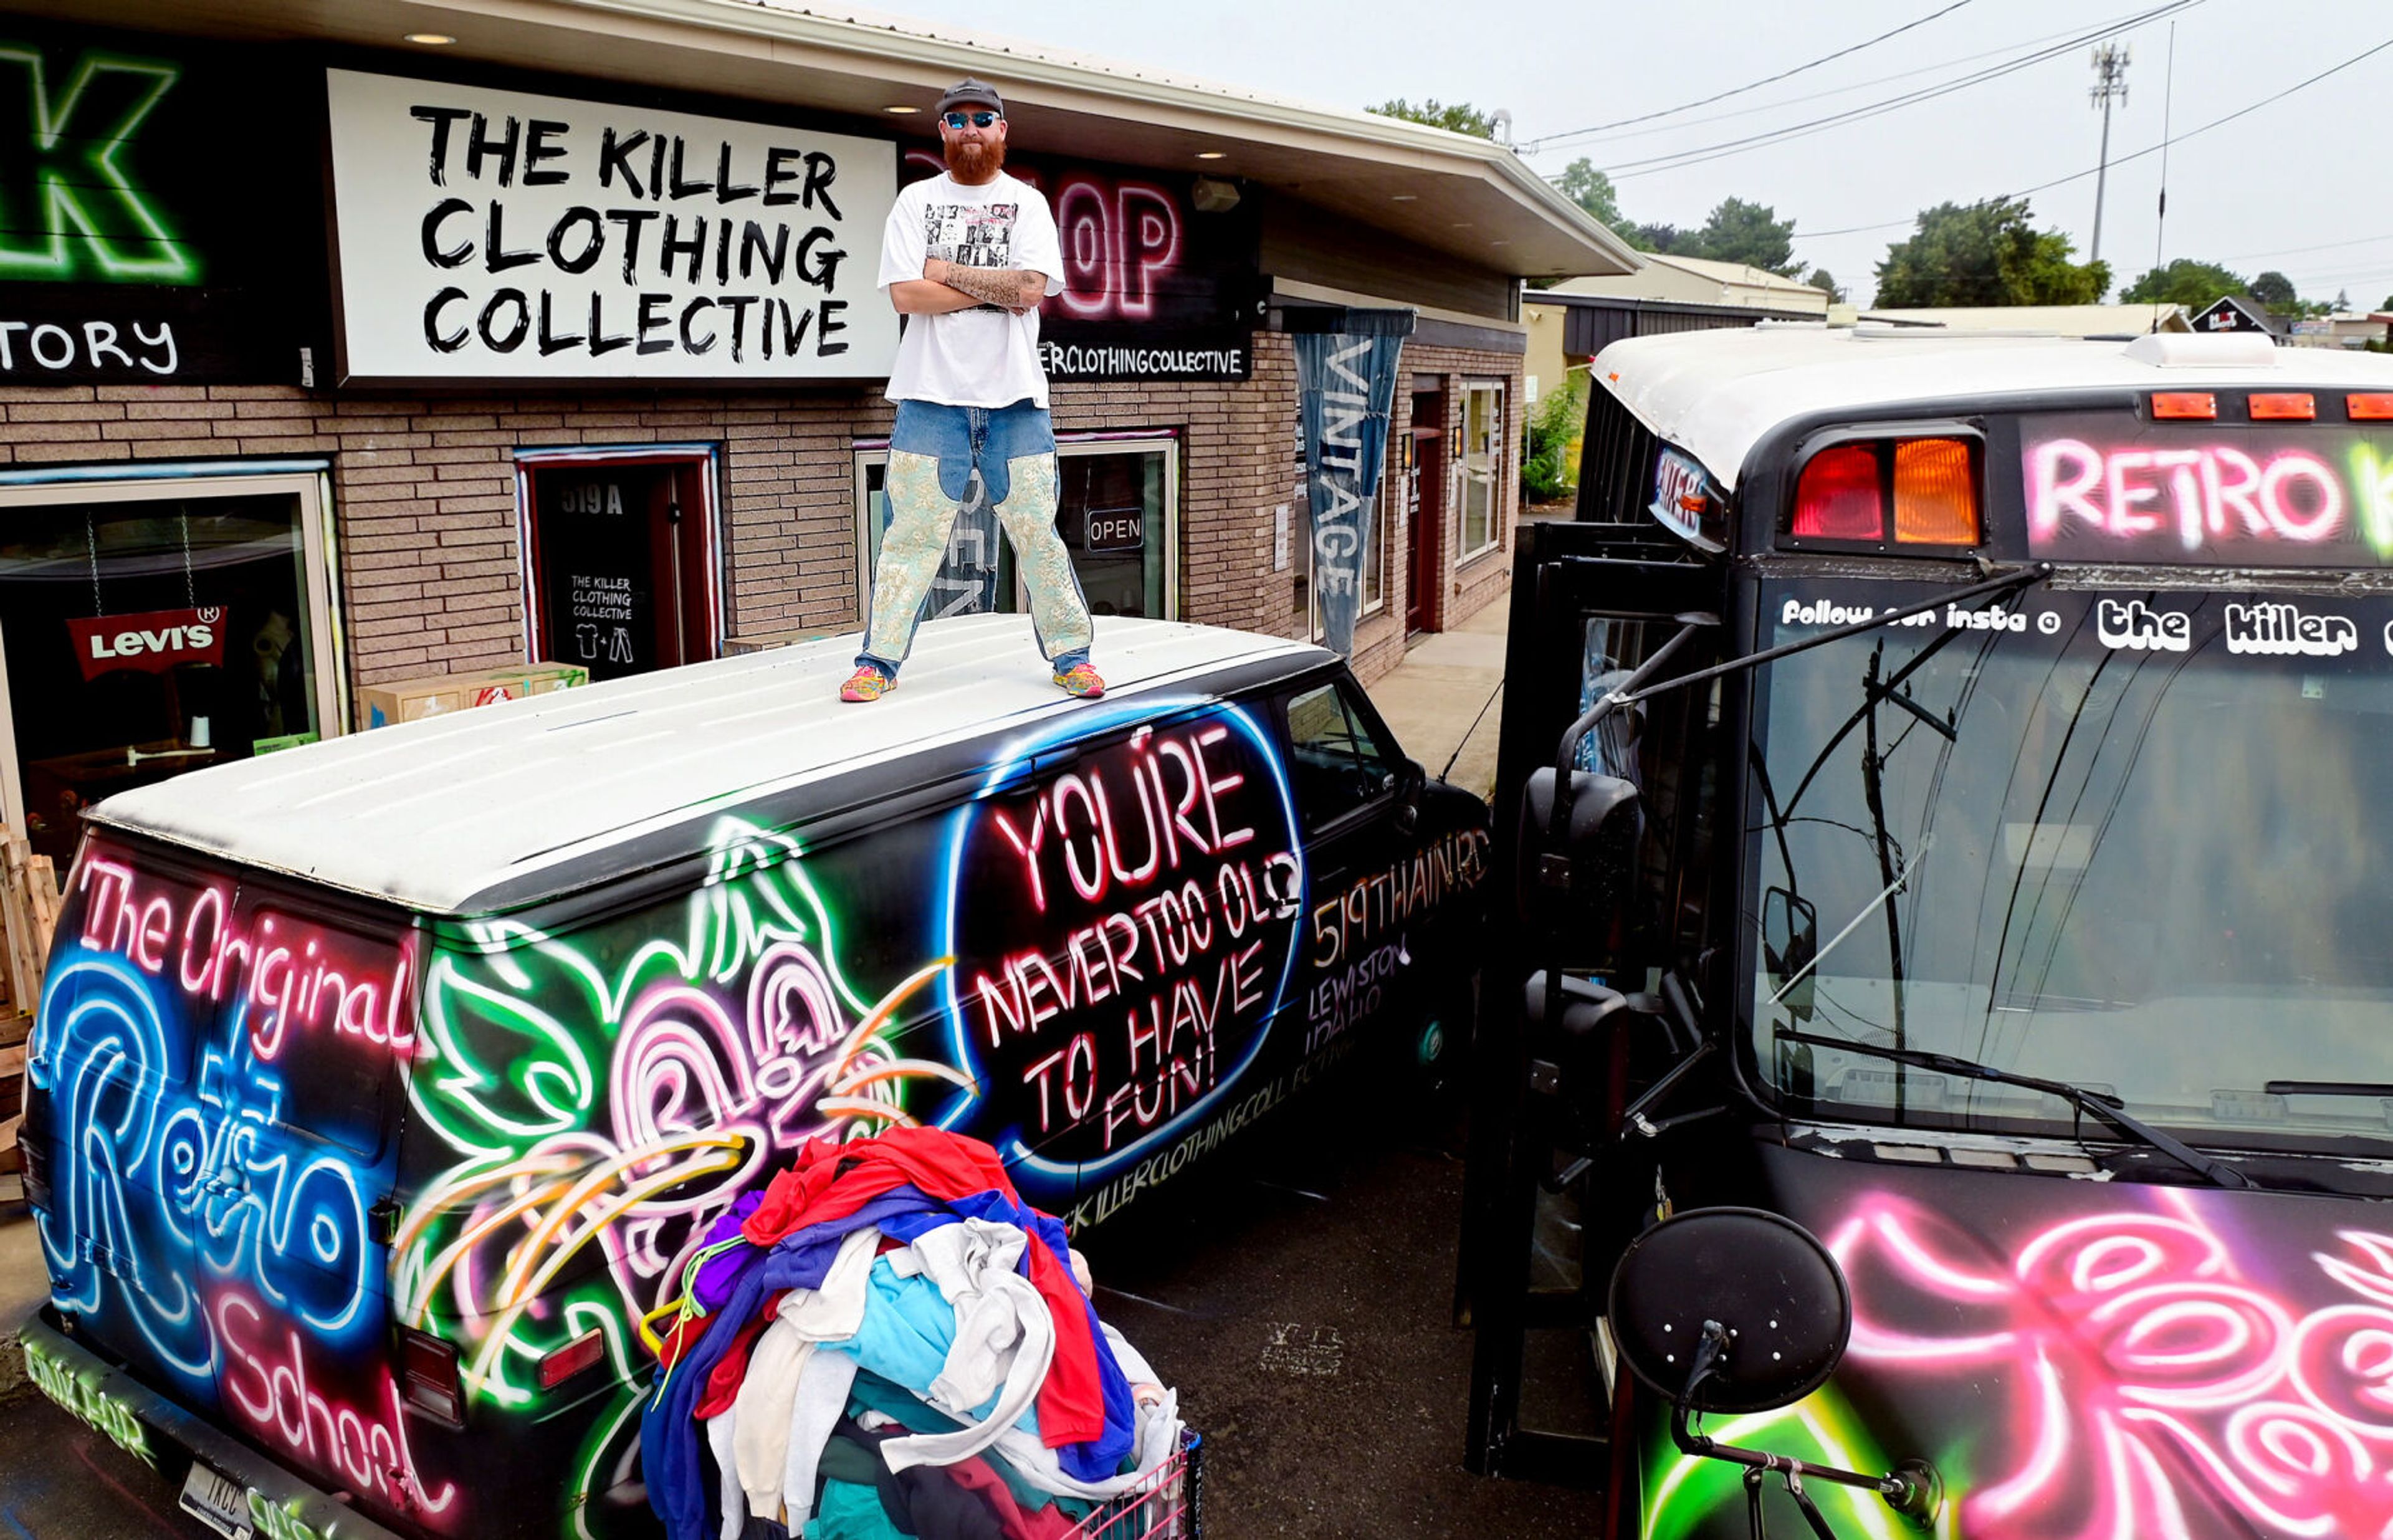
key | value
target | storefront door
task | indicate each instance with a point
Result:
(623, 559)
(1425, 500)
(152, 627)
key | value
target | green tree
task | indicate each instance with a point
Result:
(1988, 253)
(1659, 238)
(1750, 233)
(1591, 190)
(2277, 292)
(2187, 283)
(1458, 118)
(1824, 280)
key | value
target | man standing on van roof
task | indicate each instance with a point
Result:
(967, 257)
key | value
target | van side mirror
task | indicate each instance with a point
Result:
(1790, 942)
(1589, 873)
(1742, 1311)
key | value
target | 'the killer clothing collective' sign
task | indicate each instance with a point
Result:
(497, 234)
(2101, 488)
(127, 256)
(1155, 288)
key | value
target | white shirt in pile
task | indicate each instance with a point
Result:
(984, 357)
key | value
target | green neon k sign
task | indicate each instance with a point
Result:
(70, 210)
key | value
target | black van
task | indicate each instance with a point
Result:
(384, 1090)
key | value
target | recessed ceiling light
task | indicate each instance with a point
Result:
(1462, 224)
(901, 111)
(1403, 197)
(1500, 243)
(1211, 154)
(435, 39)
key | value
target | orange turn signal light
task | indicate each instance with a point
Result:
(2370, 406)
(2181, 404)
(2283, 406)
(1935, 493)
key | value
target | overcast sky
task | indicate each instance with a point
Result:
(2297, 186)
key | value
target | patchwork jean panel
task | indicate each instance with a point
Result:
(936, 432)
(921, 515)
(1058, 611)
(1018, 432)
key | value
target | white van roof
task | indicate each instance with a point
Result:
(430, 814)
(1716, 393)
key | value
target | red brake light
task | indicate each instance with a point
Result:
(2283, 406)
(428, 1368)
(2370, 406)
(1838, 496)
(2185, 403)
(1935, 492)
(571, 1359)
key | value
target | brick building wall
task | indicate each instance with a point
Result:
(429, 556)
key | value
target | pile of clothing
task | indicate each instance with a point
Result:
(886, 1340)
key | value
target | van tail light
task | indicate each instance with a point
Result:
(1935, 492)
(2283, 406)
(1839, 496)
(427, 1370)
(2199, 405)
(2369, 406)
(571, 1359)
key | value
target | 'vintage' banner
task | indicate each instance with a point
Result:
(1346, 386)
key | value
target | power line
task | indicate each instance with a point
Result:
(2134, 155)
(1530, 147)
(1677, 160)
(1753, 86)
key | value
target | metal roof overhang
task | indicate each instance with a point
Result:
(1470, 199)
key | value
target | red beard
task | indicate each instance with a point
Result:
(974, 163)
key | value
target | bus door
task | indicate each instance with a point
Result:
(1549, 1197)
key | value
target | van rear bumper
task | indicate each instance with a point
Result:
(151, 1427)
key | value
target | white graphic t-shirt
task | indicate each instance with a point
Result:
(984, 357)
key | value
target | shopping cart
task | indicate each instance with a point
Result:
(1168, 1503)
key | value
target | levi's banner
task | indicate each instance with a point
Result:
(1346, 385)
(489, 234)
(2102, 487)
(153, 641)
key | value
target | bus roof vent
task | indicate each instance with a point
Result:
(2217, 350)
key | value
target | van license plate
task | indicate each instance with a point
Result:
(216, 1502)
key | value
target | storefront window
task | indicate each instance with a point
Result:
(1118, 509)
(1374, 557)
(148, 629)
(1483, 458)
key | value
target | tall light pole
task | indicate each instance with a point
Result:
(2110, 80)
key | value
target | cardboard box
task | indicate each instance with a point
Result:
(413, 699)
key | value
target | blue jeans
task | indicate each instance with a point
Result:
(933, 453)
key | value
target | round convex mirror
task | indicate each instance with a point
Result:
(1781, 1296)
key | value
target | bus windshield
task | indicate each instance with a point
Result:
(2138, 841)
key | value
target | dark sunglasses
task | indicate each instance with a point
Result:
(978, 120)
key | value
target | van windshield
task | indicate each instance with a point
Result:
(2137, 841)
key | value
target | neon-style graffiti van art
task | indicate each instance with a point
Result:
(384, 1091)
(1945, 809)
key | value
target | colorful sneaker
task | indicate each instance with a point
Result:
(1081, 681)
(867, 684)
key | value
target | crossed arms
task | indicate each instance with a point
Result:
(944, 286)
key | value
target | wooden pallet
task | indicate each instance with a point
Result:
(29, 914)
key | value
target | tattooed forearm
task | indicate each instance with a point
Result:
(1013, 288)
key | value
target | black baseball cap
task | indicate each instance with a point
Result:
(968, 92)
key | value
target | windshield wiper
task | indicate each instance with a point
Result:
(2092, 1102)
(2328, 1087)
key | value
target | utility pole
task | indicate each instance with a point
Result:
(2110, 80)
